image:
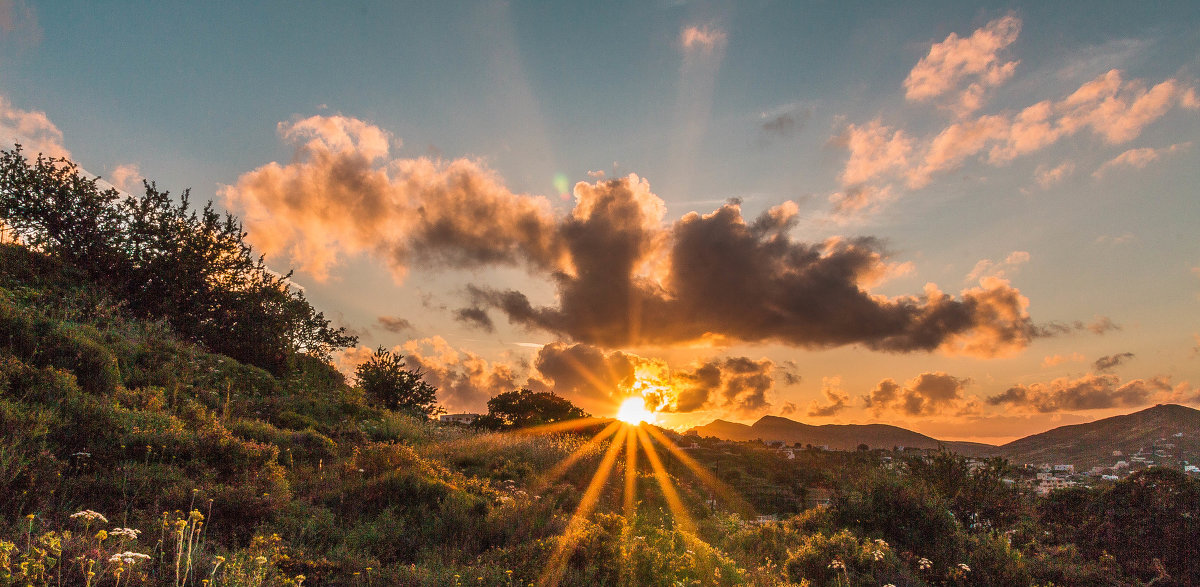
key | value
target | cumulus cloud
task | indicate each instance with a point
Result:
(127, 178)
(974, 60)
(32, 129)
(835, 399)
(1090, 392)
(874, 150)
(1110, 362)
(476, 317)
(740, 384)
(623, 276)
(1000, 269)
(394, 323)
(924, 395)
(1138, 158)
(464, 380)
(702, 38)
(342, 195)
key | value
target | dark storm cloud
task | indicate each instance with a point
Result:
(394, 324)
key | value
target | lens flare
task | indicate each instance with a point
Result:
(633, 411)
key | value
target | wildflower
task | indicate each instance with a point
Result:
(964, 567)
(837, 564)
(102, 535)
(129, 533)
(877, 555)
(128, 557)
(881, 542)
(924, 564)
(260, 560)
(30, 517)
(90, 516)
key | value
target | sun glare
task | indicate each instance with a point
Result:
(633, 411)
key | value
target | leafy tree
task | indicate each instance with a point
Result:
(386, 382)
(166, 260)
(522, 408)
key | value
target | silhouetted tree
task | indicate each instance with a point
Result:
(387, 383)
(522, 408)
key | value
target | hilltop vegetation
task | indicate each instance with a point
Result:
(139, 446)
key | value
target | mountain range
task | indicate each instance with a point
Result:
(1084, 445)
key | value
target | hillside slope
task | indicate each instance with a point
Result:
(1093, 443)
(835, 436)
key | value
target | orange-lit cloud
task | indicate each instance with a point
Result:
(703, 38)
(624, 278)
(342, 195)
(924, 395)
(874, 149)
(32, 129)
(835, 399)
(1139, 158)
(1001, 269)
(975, 60)
(739, 384)
(1110, 362)
(394, 323)
(127, 177)
(1055, 360)
(1047, 176)
(464, 380)
(1092, 392)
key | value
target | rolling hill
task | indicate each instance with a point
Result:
(835, 436)
(1093, 443)
(1084, 445)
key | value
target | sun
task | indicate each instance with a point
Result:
(633, 411)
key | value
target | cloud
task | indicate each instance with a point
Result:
(881, 158)
(924, 395)
(704, 38)
(835, 399)
(784, 122)
(595, 375)
(1055, 360)
(1110, 362)
(723, 279)
(1138, 158)
(394, 324)
(1048, 176)
(31, 129)
(475, 317)
(975, 60)
(874, 150)
(127, 177)
(623, 276)
(740, 384)
(988, 268)
(1120, 239)
(1101, 325)
(464, 380)
(1089, 392)
(18, 21)
(342, 195)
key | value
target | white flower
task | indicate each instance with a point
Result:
(129, 533)
(881, 542)
(877, 554)
(837, 564)
(964, 567)
(129, 558)
(90, 516)
(925, 564)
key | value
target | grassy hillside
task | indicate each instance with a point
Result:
(131, 456)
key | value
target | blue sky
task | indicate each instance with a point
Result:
(1039, 154)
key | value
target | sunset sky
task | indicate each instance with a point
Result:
(974, 220)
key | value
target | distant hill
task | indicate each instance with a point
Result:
(1092, 444)
(835, 436)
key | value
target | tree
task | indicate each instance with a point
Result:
(387, 383)
(522, 408)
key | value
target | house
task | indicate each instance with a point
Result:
(460, 419)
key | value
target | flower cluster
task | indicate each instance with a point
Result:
(90, 516)
(128, 557)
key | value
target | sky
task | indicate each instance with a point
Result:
(974, 220)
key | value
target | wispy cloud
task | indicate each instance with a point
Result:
(1139, 158)
(703, 38)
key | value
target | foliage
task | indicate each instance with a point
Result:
(523, 408)
(388, 384)
(164, 260)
